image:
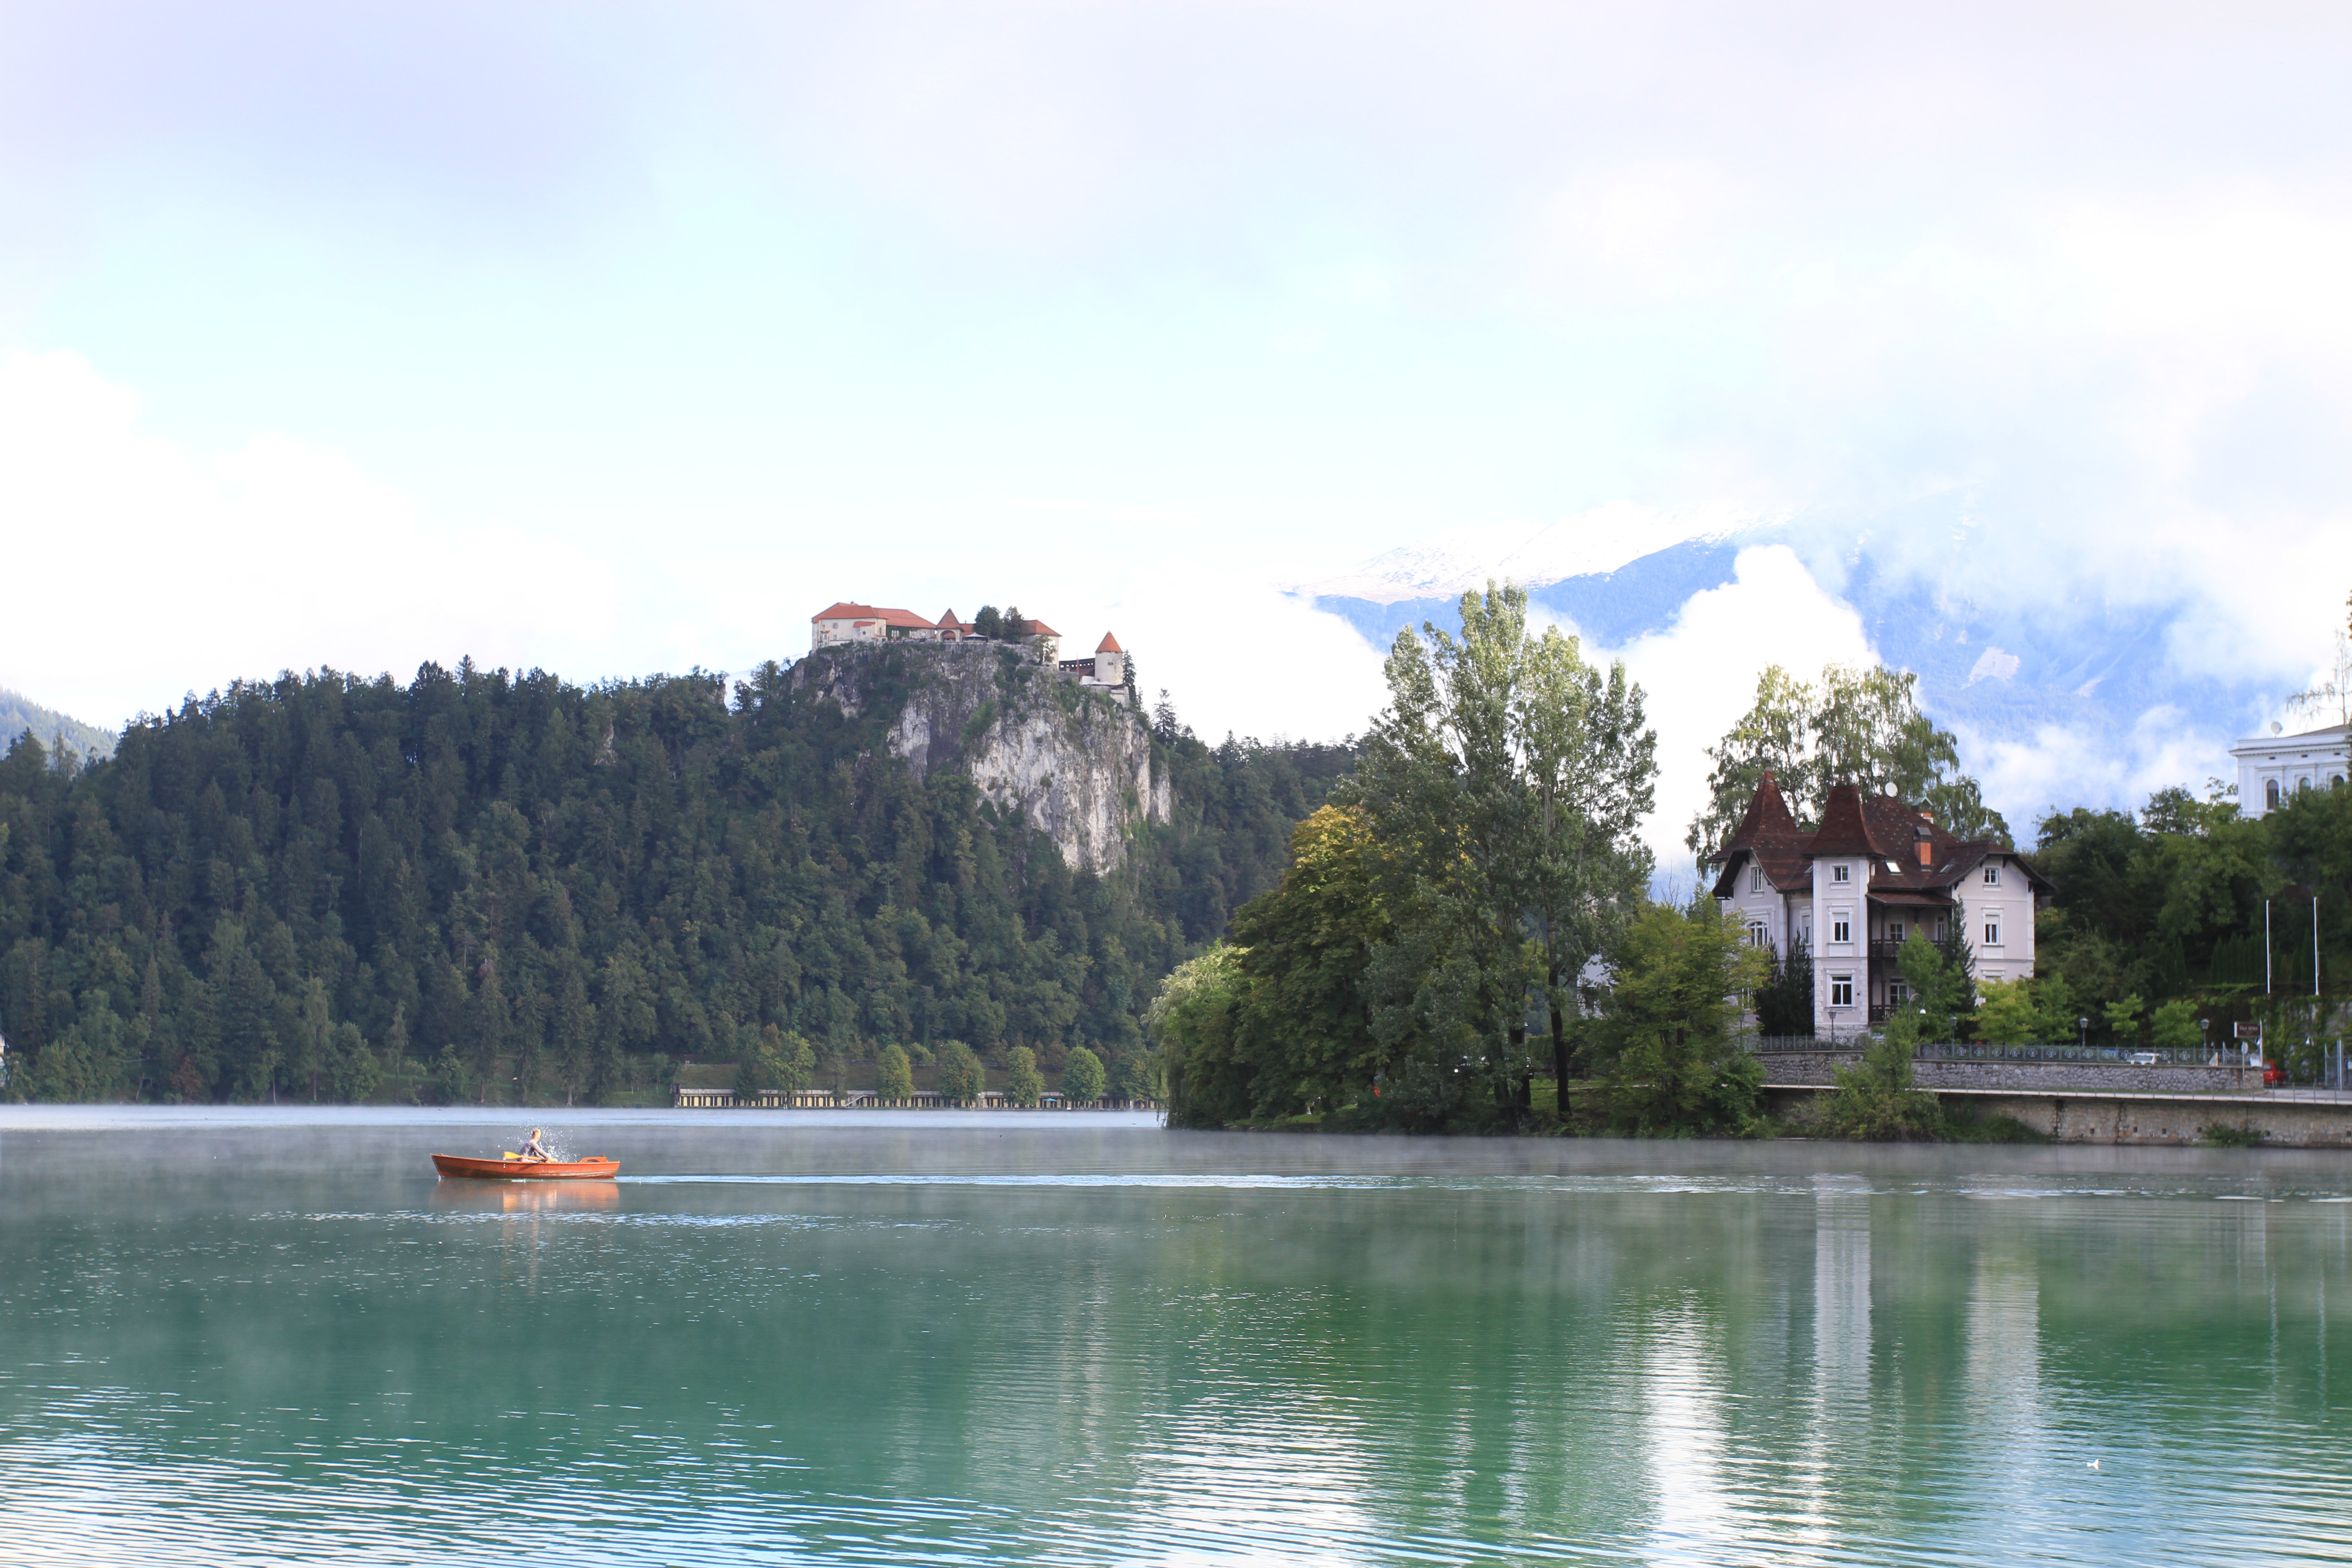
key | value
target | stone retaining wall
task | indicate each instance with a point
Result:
(2118, 1078)
(2094, 1118)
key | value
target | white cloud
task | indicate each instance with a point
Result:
(1700, 673)
(144, 569)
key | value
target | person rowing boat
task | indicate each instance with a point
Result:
(532, 1148)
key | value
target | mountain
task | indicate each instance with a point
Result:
(2054, 695)
(493, 879)
(20, 714)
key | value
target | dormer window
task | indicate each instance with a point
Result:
(1756, 878)
(1992, 877)
(1840, 874)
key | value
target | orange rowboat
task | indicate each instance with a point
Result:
(513, 1170)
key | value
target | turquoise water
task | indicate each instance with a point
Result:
(232, 1337)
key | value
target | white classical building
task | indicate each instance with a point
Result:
(1850, 893)
(2271, 767)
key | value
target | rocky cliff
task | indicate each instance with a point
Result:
(1077, 765)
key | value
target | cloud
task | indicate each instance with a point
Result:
(144, 569)
(1700, 673)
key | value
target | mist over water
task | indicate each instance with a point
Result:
(271, 1336)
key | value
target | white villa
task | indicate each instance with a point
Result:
(2271, 767)
(1852, 891)
(845, 622)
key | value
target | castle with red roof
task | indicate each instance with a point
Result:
(1851, 891)
(845, 622)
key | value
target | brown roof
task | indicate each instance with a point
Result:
(1037, 629)
(948, 623)
(1767, 813)
(1109, 644)
(1843, 830)
(1880, 829)
(846, 611)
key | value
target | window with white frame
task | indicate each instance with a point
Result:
(1841, 873)
(1894, 931)
(1841, 990)
(1993, 932)
(1755, 934)
(2271, 794)
(1992, 875)
(1898, 993)
(1756, 878)
(1841, 929)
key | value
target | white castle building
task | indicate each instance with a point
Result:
(2271, 767)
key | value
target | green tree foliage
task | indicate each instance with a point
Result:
(1856, 726)
(961, 1076)
(1082, 1078)
(488, 873)
(1023, 1084)
(2007, 1014)
(1943, 987)
(775, 1060)
(1784, 1003)
(1678, 982)
(1304, 947)
(894, 1074)
(1457, 888)
(1195, 1017)
(1502, 785)
(2173, 1025)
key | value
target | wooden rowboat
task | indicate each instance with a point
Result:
(513, 1170)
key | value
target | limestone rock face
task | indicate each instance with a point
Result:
(1077, 765)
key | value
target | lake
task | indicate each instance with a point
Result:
(250, 1336)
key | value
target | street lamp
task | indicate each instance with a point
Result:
(2083, 1031)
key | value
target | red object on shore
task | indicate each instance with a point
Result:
(597, 1170)
(2273, 1073)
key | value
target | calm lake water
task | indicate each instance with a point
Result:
(232, 1337)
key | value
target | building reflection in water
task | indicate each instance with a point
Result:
(1841, 1292)
(1683, 1377)
(2003, 1346)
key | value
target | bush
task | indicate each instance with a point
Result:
(2174, 1026)
(1878, 1099)
(2223, 1136)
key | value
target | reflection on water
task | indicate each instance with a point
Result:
(808, 1341)
(483, 1196)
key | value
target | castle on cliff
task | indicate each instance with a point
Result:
(849, 623)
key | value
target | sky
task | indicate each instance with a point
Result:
(612, 339)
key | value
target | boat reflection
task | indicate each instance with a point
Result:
(526, 1197)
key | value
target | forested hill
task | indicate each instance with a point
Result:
(20, 714)
(292, 887)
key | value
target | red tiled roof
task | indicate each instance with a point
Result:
(1109, 644)
(948, 623)
(846, 611)
(1037, 629)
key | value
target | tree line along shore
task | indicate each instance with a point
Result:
(488, 887)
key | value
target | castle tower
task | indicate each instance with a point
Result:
(1110, 662)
